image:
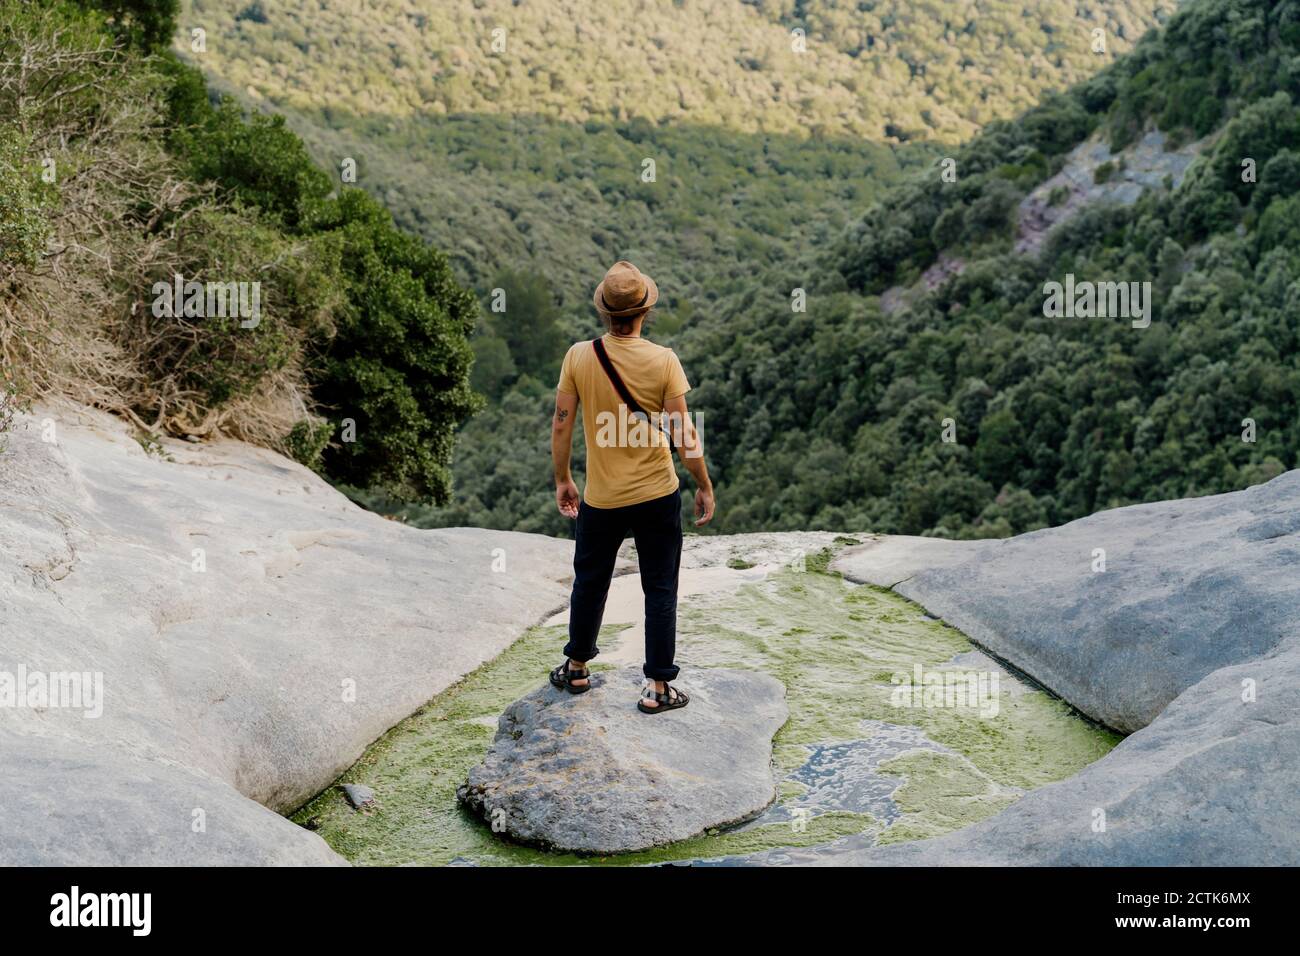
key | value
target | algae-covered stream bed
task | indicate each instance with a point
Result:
(862, 759)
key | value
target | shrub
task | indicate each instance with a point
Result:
(400, 360)
(307, 442)
(24, 226)
(81, 322)
(145, 24)
(392, 354)
(8, 409)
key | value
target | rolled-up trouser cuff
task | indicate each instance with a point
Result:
(660, 673)
(575, 653)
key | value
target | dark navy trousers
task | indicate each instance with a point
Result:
(656, 527)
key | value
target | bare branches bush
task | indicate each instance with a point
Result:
(93, 213)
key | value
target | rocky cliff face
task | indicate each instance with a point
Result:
(249, 631)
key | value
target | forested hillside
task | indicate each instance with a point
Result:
(835, 418)
(525, 160)
(879, 69)
(514, 134)
(924, 388)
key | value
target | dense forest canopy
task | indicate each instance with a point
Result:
(834, 417)
(513, 136)
(873, 70)
(524, 162)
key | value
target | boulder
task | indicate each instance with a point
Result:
(252, 631)
(589, 773)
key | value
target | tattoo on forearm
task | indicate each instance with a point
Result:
(561, 414)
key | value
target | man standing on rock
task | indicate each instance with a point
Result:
(628, 386)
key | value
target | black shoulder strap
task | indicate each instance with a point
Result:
(619, 386)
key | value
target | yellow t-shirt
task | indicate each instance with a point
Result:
(628, 460)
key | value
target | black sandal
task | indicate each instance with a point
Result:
(563, 678)
(670, 699)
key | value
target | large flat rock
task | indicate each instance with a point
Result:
(589, 773)
(254, 631)
(1189, 586)
(73, 804)
(888, 560)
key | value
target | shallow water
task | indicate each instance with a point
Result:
(855, 768)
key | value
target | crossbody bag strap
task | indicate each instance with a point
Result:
(619, 386)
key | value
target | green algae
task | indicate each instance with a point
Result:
(940, 792)
(835, 646)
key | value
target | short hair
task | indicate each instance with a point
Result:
(622, 324)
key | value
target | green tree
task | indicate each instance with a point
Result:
(144, 24)
(398, 364)
(395, 363)
(529, 323)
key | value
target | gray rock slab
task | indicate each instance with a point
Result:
(889, 559)
(1189, 586)
(589, 773)
(69, 804)
(249, 623)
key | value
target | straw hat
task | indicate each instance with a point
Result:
(625, 291)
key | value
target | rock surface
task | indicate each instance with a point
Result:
(358, 795)
(589, 773)
(1189, 586)
(70, 803)
(1213, 781)
(1190, 637)
(312, 628)
(1144, 165)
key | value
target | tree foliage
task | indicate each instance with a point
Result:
(834, 418)
(364, 325)
(145, 25)
(393, 368)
